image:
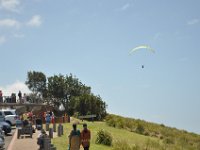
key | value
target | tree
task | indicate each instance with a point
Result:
(67, 90)
(56, 86)
(36, 82)
(90, 104)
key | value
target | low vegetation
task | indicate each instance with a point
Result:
(104, 137)
(133, 140)
(170, 138)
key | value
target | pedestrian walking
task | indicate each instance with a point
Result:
(85, 137)
(74, 139)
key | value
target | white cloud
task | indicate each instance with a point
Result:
(2, 39)
(35, 21)
(193, 21)
(14, 88)
(125, 7)
(9, 23)
(10, 5)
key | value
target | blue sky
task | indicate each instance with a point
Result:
(92, 40)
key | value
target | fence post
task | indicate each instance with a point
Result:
(51, 133)
(62, 133)
(68, 118)
(47, 126)
(59, 131)
(47, 142)
(54, 127)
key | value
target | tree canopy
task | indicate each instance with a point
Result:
(36, 82)
(69, 91)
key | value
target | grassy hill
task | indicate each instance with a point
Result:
(149, 136)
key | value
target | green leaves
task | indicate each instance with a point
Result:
(69, 91)
(36, 82)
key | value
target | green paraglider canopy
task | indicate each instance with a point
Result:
(142, 47)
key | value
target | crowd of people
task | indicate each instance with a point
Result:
(49, 117)
(13, 98)
(76, 138)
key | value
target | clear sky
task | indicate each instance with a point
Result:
(92, 40)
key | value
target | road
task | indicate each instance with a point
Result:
(8, 138)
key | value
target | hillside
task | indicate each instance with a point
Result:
(168, 139)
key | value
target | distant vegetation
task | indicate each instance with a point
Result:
(170, 137)
(76, 98)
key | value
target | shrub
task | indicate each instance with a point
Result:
(123, 145)
(168, 141)
(139, 129)
(104, 137)
(110, 121)
(120, 123)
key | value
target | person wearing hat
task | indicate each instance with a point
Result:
(85, 137)
(74, 138)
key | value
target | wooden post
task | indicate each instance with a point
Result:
(50, 133)
(62, 132)
(66, 118)
(54, 127)
(47, 142)
(59, 130)
(47, 126)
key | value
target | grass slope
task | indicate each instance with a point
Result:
(118, 135)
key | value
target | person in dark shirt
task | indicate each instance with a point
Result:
(1, 97)
(20, 96)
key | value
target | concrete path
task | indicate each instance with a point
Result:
(25, 142)
(8, 138)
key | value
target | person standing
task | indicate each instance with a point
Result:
(13, 98)
(20, 96)
(74, 138)
(48, 118)
(85, 137)
(1, 97)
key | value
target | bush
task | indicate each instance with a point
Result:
(110, 121)
(168, 141)
(123, 145)
(139, 129)
(104, 137)
(120, 123)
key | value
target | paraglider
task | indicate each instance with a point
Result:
(142, 47)
(147, 47)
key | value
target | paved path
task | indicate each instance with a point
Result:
(8, 138)
(24, 143)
